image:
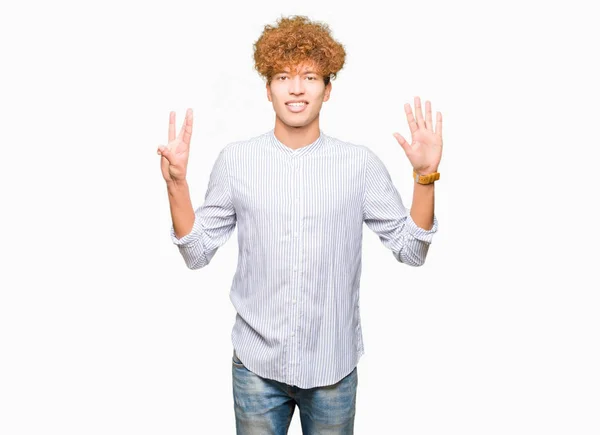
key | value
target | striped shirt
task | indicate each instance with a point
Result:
(300, 217)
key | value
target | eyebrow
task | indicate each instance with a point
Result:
(305, 72)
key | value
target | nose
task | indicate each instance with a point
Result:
(296, 85)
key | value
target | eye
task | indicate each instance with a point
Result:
(311, 77)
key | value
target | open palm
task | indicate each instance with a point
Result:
(425, 149)
(175, 155)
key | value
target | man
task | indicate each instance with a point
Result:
(299, 198)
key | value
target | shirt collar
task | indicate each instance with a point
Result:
(321, 140)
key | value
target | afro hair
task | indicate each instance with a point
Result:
(296, 40)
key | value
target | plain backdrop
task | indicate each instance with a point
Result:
(103, 330)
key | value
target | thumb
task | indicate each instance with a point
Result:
(403, 143)
(166, 153)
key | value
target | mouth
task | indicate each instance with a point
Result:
(297, 106)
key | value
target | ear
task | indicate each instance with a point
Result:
(327, 92)
(269, 92)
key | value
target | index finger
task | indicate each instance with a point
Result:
(186, 128)
(412, 124)
(171, 126)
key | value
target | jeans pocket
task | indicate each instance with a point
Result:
(236, 361)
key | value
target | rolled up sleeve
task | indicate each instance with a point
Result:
(214, 221)
(385, 214)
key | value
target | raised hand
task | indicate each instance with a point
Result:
(174, 160)
(425, 149)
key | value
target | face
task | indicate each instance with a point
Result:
(302, 85)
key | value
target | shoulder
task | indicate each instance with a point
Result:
(241, 147)
(357, 150)
(372, 164)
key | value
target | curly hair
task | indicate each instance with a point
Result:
(297, 40)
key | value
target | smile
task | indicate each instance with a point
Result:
(296, 107)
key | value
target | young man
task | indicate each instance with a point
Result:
(300, 198)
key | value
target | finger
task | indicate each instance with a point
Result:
(189, 122)
(164, 165)
(438, 124)
(171, 126)
(185, 128)
(403, 143)
(166, 153)
(412, 124)
(419, 113)
(428, 117)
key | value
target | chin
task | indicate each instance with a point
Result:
(297, 123)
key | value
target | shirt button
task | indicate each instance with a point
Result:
(293, 301)
(296, 234)
(293, 333)
(295, 268)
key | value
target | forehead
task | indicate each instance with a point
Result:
(300, 68)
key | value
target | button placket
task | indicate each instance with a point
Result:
(297, 264)
(294, 164)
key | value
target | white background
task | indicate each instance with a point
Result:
(104, 331)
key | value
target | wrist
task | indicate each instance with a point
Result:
(176, 185)
(425, 171)
(426, 179)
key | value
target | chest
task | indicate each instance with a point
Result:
(322, 186)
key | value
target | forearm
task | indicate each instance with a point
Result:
(182, 212)
(422, 208)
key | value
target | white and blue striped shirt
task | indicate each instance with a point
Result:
(300, 217)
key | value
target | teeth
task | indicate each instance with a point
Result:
(295, 104)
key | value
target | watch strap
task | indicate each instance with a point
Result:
(426, 179)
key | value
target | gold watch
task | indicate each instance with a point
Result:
(426, 179)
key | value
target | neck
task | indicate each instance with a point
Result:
(297, 137)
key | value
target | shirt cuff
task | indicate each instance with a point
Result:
(418, 232)
(190, 238)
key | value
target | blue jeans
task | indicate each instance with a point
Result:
(265, 406)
